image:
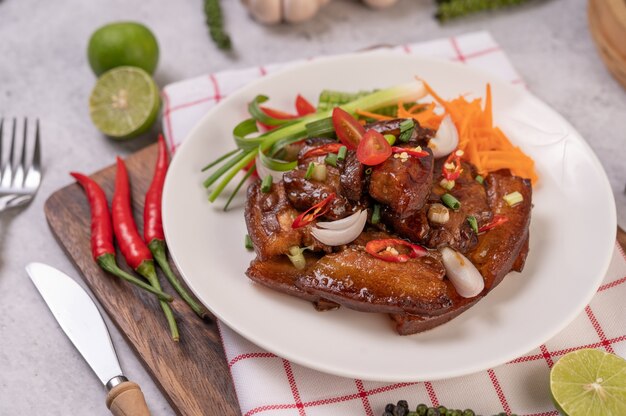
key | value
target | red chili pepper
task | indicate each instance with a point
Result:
(304, 107)
(452, 167)
(387, 249)
(102, 247)
(281, 115)
(410, 151)
(135, 251)
(312, 213)
(153, 227)
(497, 220)
(323, 150)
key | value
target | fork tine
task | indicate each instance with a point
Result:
(18, 177)
(33, 175)
(7, 168)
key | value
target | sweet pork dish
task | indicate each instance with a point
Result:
(418, 214)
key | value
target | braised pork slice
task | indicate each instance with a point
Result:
(269, 217)
(420, 135)
(355, 279)
(279, 274)
(457, 232)
(499, 251)
(403, 183)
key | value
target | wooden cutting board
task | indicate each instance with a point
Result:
(193, 373)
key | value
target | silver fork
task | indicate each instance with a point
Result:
(18, 185)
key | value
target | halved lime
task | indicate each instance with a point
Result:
(589, 382)
(124, 103)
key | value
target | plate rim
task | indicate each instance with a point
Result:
(467, 369)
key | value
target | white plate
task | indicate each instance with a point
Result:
(572, 237)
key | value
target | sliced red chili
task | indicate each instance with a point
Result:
(312, 213)
(497, 220)
(411, 151)
(452, 167)
(373, 149)
(394, 250)
(304, 106)
(348, 129)
(323, 150)
(276, 114)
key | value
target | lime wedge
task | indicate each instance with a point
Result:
(588, 383)
(124, 103)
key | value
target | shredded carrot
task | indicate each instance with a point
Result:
(374, 116)
(484, 145)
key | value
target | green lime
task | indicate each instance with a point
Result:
(124, 102)
(123, 44)
(588, 383)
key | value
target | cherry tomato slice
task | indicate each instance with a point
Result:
(394, 250)
(348, 129)
(312, 213)
(497, 220)
(323, 150)
(304, 106)
(373, 148)
(410, 151)
(276, 114)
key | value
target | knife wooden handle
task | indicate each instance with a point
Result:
(126, 399)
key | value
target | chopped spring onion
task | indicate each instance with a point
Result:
(309, 171)
(438, 214)
(473, 223)
(248, 242)
(368, 171)
(376, 214)
(319, 172)
(450, 201)
(447, 184)
(266, 185)
(391, 139)
(341, 154)
(480, 179)
(406, 130)
(321, 128)
(276, 164)
(296, 257)
(331, 159)
(513, 198)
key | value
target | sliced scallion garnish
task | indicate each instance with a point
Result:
(391, 139)
(450, 201)
(319, 172)
(447, 184)
(276, 164)
(473, 223)
(480, 179)
(376, 214)
(248, 243)
(309, 171)
(266, 185)
(341, 154)
(254, 108)
(406, 130)
(513, 198)
(321, 128)
(296, 257)
(331, 159)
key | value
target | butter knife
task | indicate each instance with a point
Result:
(81, 321)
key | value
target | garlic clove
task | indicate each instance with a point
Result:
(464, 276)
(265, 11)
(380, 4)
(296, 11)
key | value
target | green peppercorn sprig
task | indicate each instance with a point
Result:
(402, 409)
(450, 9)
(215, 21)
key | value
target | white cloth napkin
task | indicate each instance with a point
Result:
(269, 385)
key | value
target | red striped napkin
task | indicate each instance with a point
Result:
(269, 385)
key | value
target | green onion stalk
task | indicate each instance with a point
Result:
(290, 131)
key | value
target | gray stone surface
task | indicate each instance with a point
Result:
(44, 73)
